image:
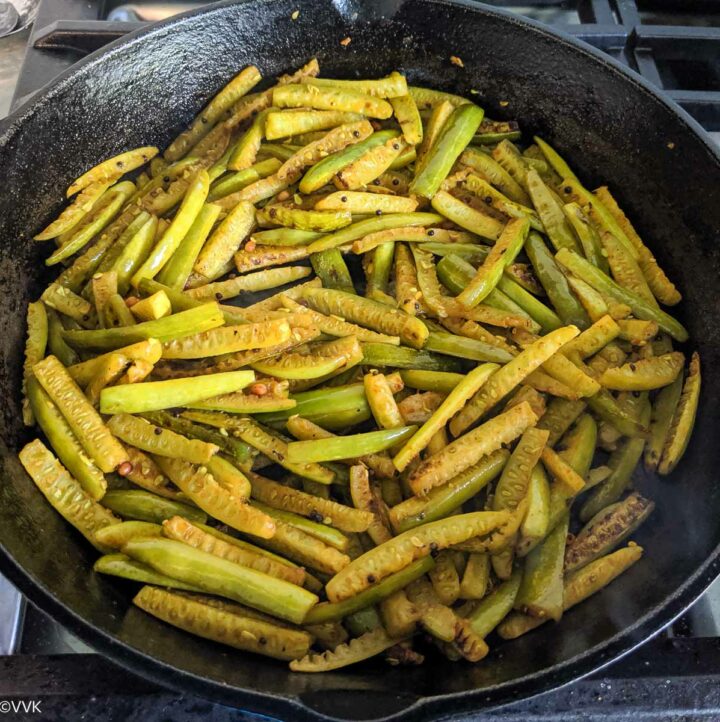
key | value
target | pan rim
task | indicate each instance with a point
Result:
(590, 660)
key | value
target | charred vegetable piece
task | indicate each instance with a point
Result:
(227, 624)
(369, 499)
(259, 281)
(228, 339)
(303, 429)
(488, 275)
(495, 606)
(182, 222)
(402, 550)
(562, 472)
(399, 615)
(465, 216)
(662, 287)
(436, 618)
(330, 98)
(324, 403)
(120, 565)
(73, 214)
(220, 247)
(239, 86)
(554, 282)
(239, 403)
(513, 485)
(319, 362)
(471, 447)
(645, 374)
(382, 401)
(35, 345)
(444, 578)
(557, 227)
(365, 227)
(119, 534)
(64, 442)
(622, 462)
(369, 166)
(113, 168)
(334, 326)
(323, 171)
(577, 587)
(391, 86)
(587, 234)
(69, 304)
(608, 528)
(235, 449)
(287, 123)
(443, 500)
(102, 212)
(276, 449)
(325, 533)
(683, 419)
(541, 591)
(476, 577)
(328, 611)
(441, 381)
(304, 548)
(317, 221)
(356, 650)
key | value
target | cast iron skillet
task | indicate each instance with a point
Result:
(608, 122)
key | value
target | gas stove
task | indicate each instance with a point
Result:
(675, 676)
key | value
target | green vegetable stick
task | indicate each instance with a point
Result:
(177, 230)
(329, 611)
(603, 283)
(457, 132)
(346, 447)
(178, 325)
(154, 395)
(372, 225)
(455, 400)
(64, 442)
(144, 506)
(226, 579)
(508, 245)
(178, 269)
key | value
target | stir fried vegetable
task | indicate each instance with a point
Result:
(456, 361)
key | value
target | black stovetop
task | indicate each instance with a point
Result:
(674, 44)
(676, 676)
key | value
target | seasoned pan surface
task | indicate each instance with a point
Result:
(610, 125)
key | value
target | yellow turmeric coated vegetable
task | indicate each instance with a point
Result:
(400, 551)
(470, 448)
(222, 361)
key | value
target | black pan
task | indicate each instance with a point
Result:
(608, 122)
